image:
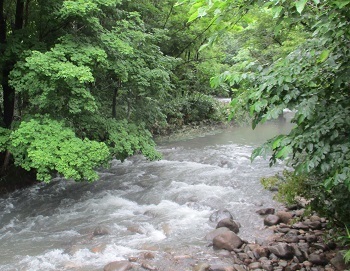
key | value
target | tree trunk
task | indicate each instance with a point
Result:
(8, 91)
(114, 101)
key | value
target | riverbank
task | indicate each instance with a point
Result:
(299, 242)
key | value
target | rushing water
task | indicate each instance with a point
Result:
(162, 206)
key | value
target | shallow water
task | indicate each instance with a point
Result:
(161, 206)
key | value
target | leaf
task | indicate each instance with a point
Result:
(323, 56)
(193, 16)
(300, 5)
(284, 152)
(341, 3)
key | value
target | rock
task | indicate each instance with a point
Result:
(211, 235)
(239, 267)
(271, 220)
(300, 226)
(266, 265)
(314, 218)
(282, 250)
(260, 251)
(318, 259)
(201, 267)
(101, 230)
(284, 216)
(220, 215)
(149, 267)
(266, 211)
(254, 265)
(338, 262)
(118, 266)
(227, 240)
(221, 268)
(228, 223)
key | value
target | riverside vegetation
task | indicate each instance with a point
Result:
(86, 81)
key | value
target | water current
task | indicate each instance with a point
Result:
(162, 206)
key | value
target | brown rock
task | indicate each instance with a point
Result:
(201, 267)
(227, 240)
(228, 223)
(101, 230)
(338, 262)
(271, 220)
(211, 235)
(282, 250)
(284, 216)
(118, 266)
(266, 211)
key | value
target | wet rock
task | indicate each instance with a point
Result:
(228, 223)
(147, 266)
(221, 268)
(101, 230)
(220, 215)
(282, 250)
(284, 216)
(266, 211)
(227, 240)
(318, 259)
(271, 220)
(239, 267)
(260, 252)
(201, 267)
(254, 265)
(118, 266)
(211, 235)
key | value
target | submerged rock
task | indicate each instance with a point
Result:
(118, 266)
(220, 215)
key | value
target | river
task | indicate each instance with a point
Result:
(162, 206)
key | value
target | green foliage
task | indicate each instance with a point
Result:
(289, 187)
(192, 108)
(48, 147)
(308, 75)
(126, 139)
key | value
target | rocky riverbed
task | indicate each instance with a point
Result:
(298, 242)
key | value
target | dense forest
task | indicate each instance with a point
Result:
(85, 81)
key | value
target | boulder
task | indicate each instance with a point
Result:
(339, 263)
(118, 266)
(101, 230)
(220, 215)
(228, 223)
(318, 259)
(227, 240)
(284, 216)
(211, 235)
(266, 211)
(271, 220)
(282, 250)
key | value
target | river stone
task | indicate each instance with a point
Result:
(211, 235)
(282, 250)
(201, 267)
(271, 220)
(339, 263)
(118, 266)
(221, 268)
(266, 211)
(101, 230)
(317, 259)
(227, 240)
(228, 223)
(254, 265)
(220, 215)
(284, 216)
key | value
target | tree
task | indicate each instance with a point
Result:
(313, 81)
(76, 78)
